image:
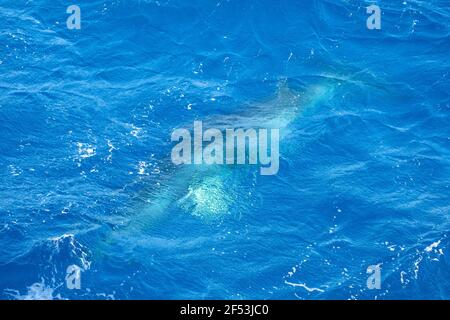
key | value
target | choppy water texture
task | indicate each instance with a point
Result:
(86, 177)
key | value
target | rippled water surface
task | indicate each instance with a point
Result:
(85, 171)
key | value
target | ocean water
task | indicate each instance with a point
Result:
(86, 178)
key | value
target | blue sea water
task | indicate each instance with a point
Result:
(85, 123)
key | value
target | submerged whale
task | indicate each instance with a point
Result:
(208, 191)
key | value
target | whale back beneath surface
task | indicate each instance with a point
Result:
(285, 107)
(209, 192)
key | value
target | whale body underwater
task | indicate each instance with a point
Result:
(208, 191)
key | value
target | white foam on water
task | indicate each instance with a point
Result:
(304, 286)
(85, 150)
(291, 273)
(432, 246)
(430, 253)
(208, 199)
(77, 249)
(37, 291)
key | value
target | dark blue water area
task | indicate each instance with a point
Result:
(85, 172)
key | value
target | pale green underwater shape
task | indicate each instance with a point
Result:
(208, 191)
